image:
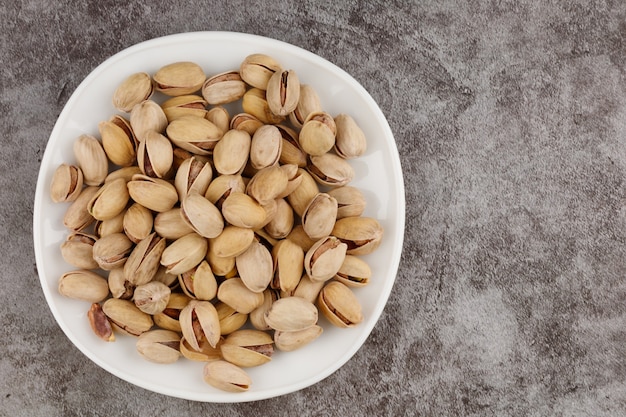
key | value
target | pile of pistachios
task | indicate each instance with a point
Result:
(216, 236)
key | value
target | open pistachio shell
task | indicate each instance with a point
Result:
(247, 348)
(223, 88)
(226, 376)
(126, 317)
(288, 260)
(186, 105)
(112, 251)
(291, 314)
(143, 262)
(193, 174)
(184, 253)
(179, 78)
(110, 200)
(199, 282)
(147, 116)
(340, 305)
(77, 250)
(153, 193)
(235, 293)
(159, 346)
(257, 69)
(198, 322)
(155, 155)
(202, 215)
(194, 134)
(350, 141)
(289, 341)
(362, 235)
(324, 258)
(255, 266)
(92, 159)
(83, 285)
(67, 183)
(118, 140)
(133, 90)
(283, 92)
(319, 216)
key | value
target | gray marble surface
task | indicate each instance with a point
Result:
(510, 120)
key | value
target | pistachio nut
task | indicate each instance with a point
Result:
(281, 224)
(118, 140)
(155, 155)
(330, 169)
(283, 92)
(362, 235)
(202, 215)
(67, 183)
(230, 319)
(266, 147)
(119, 286)
(193, 175)
(255, 103)
(221, 266)
(235, 293)
(226, 376)
(137, 222)
(350, 141)
(152, 298)
(308, 289)
(350, 201)
(319, 216)
(83, 285)
(221, 187)
(308, 102)
(110, 200)
(159, 346)
(124, 172)
(246, 122)
(291, 152)
(99, 323)
(143, 261)
(91, 159)
(300, 238)
(294, 179)
(133, 90)
(290, 341)
(231, 152)
(170, 280)
(267, 184)
(170, 224)
(125, 317)
(106, 227)
(77, 250)
(147, 116)
(233, 241)
(155, 194)
(291, 314)
(241, 210)
(168, 318)
(288, 260)
(257, 69)
(354, 272)
(198, 322)
(194, 134)
(199, 282)
(317, 135)
(324, 258)
(186, 105)
(112, 251)
(223, 88)
(257, 316)
(179, 78)
(219, 116)
(207, 353)
(255, 266)
(247, 348)
(302, 196)
(184, 253)
(339, 305)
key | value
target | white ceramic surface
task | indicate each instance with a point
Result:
(378, 174)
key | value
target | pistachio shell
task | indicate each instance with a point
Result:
(168, 318)
(354, 272)
(77, 250)
(159, 346)
(288, 259)
(184, 253)
(126, 317)
(233, 241)
(291, 314)
(290, 341)
(291, 152)
(66, 184)
(124, 172)
(207, 353)
(282, 223)
(220, 117)
(266, 147)
(319, 217)
(152, 297)
(133, 90)
(362, 235)
(77, 216)
(230, 319)
(153, 193)
(350, 140)
(118, 140)
(242, 210)
(330, 169)
(255, 103)
(112, 251)
(110, 200)
(223, 88)
(283, 92)
(255, 266)
(179, 78)
(221, 187)
(202, 215)
(247, 348)
(221, 266)
(350, 201)
(302, 196)
(199, 321)
(143, 261)
(106, 227)
(235, 293)
(308, 289)
(170, 224)
(231, 152)
(194, 134)
(119, 286)
(186, 105)
(226, 376)
(267, 184)
(83, 285)
(324, 258)
(257, 316)
(155, 155)
(317, 135)
(199, 282)
(193, 175)
(339, 305)
(91, 159)
(308, 103)
(137, 222)
(147, 116)
(245, 121)
(257, 69)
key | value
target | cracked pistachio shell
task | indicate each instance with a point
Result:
(257, 69)
(137, 222)
(83, 285)
(290, 341)
(350, 141)
(291, 314)
(235, 293)
(119, 286)
(153, 193)
(339, 305)
(133, 90)
(77, 250)
(308, 102)
(226, 376)
(91, 159)
(350, 201)
(147, 116)
(307, 289)
(184, 253)
(155, 155)
(231, 152)
(109, 201)
(266, 147)
(193, 175)
(283, 92)
(293, 179)
(330, 169)
(221, 266)
(199, 282)
(77, 216)
(300, 238)
(324, 258)
(255, 266)
(291, 152)
(302, 196)
(207, 353)
(362, 235)
(159, 346)
(199, 321)
(170, 224)
(152, 297)
(112, 251)
(241, 210)
(223, 88)
(194, 134)
(282, 222)
(222, 186)
(220, 117)
(67, 183)
(354, 272)
(187, 105)
(267, 184)
(118, 140)
(288, 260)
(230, 319)
(317, 135)
(257, 316)
(179, 78)
(126, 317)
(245, 121)
(168, 318)
(319, 216)
(255, 103)
(143, 261)
(233, 241)
(202, 215)
(247, 348)
(106, 227)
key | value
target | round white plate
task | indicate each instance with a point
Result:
(378, 175)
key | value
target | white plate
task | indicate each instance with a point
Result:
(378, 174)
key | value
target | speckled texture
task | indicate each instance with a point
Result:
(510, 119)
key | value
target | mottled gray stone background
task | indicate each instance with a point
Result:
(510, 119)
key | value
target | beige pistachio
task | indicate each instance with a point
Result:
(168, 318)
(179, 78)
(290, 341)
(223, 88)
(99, 323)
(83, 285)
(247, 348)
(159, 346)
(281, 224)
(155, 155)
(233, 241)
(91, 159)
(241, 210)
(221, 187)
(265, 147)
(235, 293)
(137, 222)
(124, 172)
(106, 227)
(300, 238)
(319, 216)
(198, 322)
(153, 193)
(362, 235)
(257, 69)
(302, 196)
(219, 116)
(226, 376)
(246, 122)
(147, 116)
(110, 200)
(267, 184)
(112, 251)
(308, 289)
(77, 250)
(126, 317)
(119, 286)
(193, 174)
(186, 105)
(350, 141)
(202, 215)
(230, 319)
(221, 266)
(67, 183)
(330, 169)
(294, 179)
(291, 314)
(194, 134)
(231, 152)
(152, 298)
(133, 90)
(291, 152)
(199, 282)
(350, 201)
(207, 353)
(288, 260)
(255, 103)
(354, 272)
(255, 266)
(170, 280)
(308, 103)
(118, 140)
(339, 305)
(170, 224)
(283, 92)
(184, 253)
(257, 316)
(324, 258)
(143, 261)
(317, 135)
